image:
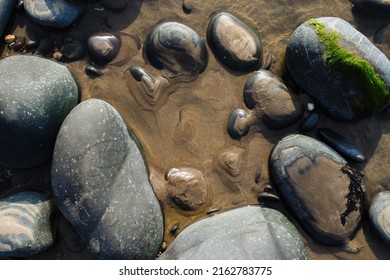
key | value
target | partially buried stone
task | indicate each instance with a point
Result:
(380, 215)
(93, 71)
(187, 187)
(246, 233)
(324, 193)
(36, 95)
(236, 44)
(341, 144)
(351, 77)
(25, 224)
(103, 47)
(236, 124)
(177, 48)
(6, 8)
(54, 13)
(271, 101)
(101, 184)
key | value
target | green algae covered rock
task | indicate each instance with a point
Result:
(339, 68)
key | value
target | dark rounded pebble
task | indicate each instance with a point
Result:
(177, 48)
(19, 44)
(342, 145)
(138, 72)
(93, 71)
(235, 43)
(309, 122)
(103, 47)
(174, 229)
(235, 130)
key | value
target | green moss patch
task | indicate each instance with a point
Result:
(350, 66)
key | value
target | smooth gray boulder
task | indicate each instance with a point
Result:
(344, 73)
(36, 95)
(25, 224)
(246, 233)
(101, 184)
(324, 193)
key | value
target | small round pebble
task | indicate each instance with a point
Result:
(103, 47)
(380, 215)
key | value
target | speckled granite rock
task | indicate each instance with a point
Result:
(25, 227)
(102, 187)
(325, 194)
(36, 95)
(250, 232)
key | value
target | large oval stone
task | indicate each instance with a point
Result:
(339, 68)
(101, 184)
(25, 224)
(54, 13)
(247, 233)
(177, 48)
(324, 193)
(36, 95)
(380, 215)
(6, 8)
(269, 97)
(235, 43)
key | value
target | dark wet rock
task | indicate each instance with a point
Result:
(102, 186)
(19, 44)
(380, 215)
(177, 48)
(382, 35)
(73, 51)
(117, 5)
(25, 224)
(235, 43)
(6, 8)
(5, 183)
(309, 122)
(250, 232)
(385, 114)
(376, 6)
(236, 125)
(341, 145)
(36, 95)
(269, 97)
(324, 193)
(103, 47)
(45, 46)
(351, 77)
(93, 71)
(54, 13)
(187, 187)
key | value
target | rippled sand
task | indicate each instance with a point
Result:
(187, 128)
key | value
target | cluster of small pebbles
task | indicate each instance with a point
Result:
(100, 180)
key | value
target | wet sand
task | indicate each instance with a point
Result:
(187, 127)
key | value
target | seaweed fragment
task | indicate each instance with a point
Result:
(355, 197)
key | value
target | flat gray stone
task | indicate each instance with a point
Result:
(25, 224)
(36, 95)
(102, 187)
(246, 233)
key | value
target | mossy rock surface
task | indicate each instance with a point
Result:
(339, 68)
